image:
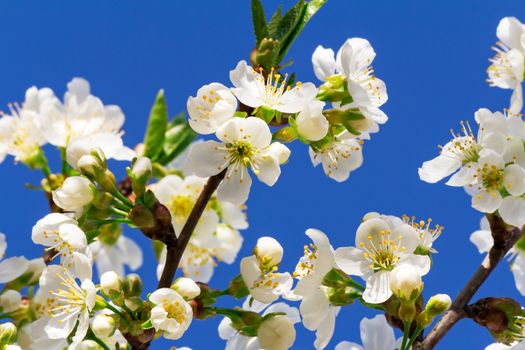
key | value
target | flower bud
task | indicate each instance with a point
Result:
(10, 301)
(438, 304)
(103, 326)
(280, 151)
(276, 333)
(405, 282)
(90, 166)
(186, 287)
(139, 174)
(7, 333)
(76, 192)
(111, 284)
(311, 123)
(88, 345)
(269, 252)
(132, 285)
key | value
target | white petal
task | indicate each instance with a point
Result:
(518, 270)
(350, 260)
(12, 268)
(483, 240)
(345, 345)
(438, 168)
(512, 210)
(509, 31)
(323, 61)
(235, 187)
(376, 334)
(268, 169)
(206, 159)
(377, 288)
(487, 202)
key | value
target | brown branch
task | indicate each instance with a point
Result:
(175, 250)
(504, 239)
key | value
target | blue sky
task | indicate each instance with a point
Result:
(431, 54)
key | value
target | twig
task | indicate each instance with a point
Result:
(504, 239)
(175, 250)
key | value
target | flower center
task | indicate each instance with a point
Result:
(383, 253)
(175, 311)
(464, 146)
(181, 207)
(242, 152)
(427, 235)
(307, 262)
(66, 300)
(491, 177)
(60, 247)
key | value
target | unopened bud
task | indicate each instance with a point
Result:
(103, 326)
(87, 345)
(269, 252)
(7, 333)
(133, 303)
(311, 124)
(280, 151)
(111, 285)
(75, 193)
(405, 282)
(132, 285)
(139, 174)
(10, 301)
(186, 287)
(436, 305)
(286, 134)
(276, 333)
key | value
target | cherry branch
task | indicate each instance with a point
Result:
(177, 247)
(504, 239)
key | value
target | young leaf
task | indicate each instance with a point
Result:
(178, 137)
(259, 22)
(157, 125)
(289, 21)
(309, 10)
(274, 22)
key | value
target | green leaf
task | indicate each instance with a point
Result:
(240, 114)
(309, 11)
(157, 125)
(177, 139)
(259, 22)
(274, 22)
(147, 325)
(289, 21)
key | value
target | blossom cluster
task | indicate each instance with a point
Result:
(188, 197)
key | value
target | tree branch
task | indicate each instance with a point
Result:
(504, 239)
(175, 250)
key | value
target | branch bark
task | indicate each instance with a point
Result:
(177, 248)
(504, 239)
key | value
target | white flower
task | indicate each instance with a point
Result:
(10, 268)
(427, 234)
(61, 235)
(311, 122)
(114, 256)
(340, 157)
(245, 144)
(75, 193)
(10, 301)
(507, 68)
(382, 243)
(187, 288)
(171, 313)
(276, 333)
(269, 252)
(253, 90)
(213, 106)
(201, 255)
(491, 175)
(376, 334)
(67, 303)
(84, 118)
(353, 62)
(483, 240)
(259, 272)
(237, 341)
(20, 130)
(499, 346)
(318, 314)
(179, 196)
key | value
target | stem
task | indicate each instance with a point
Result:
(122, 198)
(417, 332)
(406, 331)
(117, 311)
(119, 212)
(96, 339)
(175, 251)
(504, 239)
